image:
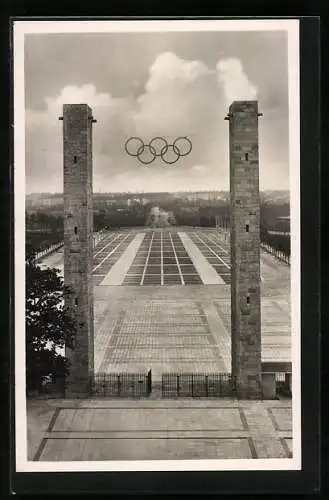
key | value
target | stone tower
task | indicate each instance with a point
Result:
(245, 248)
(78, 242)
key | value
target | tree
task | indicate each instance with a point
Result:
(49, 326)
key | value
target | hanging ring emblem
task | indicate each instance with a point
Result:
(158, 147)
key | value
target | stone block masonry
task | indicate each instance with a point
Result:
(78, 241)
(245, 248)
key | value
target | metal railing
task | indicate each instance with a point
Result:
(276, 253)
(282, 256)
(171, 385)
(48, 250)
(97, 237)
(136, 385)
(197, 385)
(283, 387)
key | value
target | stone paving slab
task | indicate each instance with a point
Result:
(281, 418)
(161, 366)
(39, 419)
(161, 292)
(117, 273)
(287, 444)
(271, 268)
(140, 335)
(153, 341)
(205, 270)
(128, 340)
(135, 419)
(128, 343)
(157, 429)
(141, 323)
(36, 406)
(145, 449)
(151, 434)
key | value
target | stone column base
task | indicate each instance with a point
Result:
(248, 391)
(78, 389)
(268, 386)
(288, 382)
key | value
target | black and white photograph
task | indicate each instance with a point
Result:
(157, 237)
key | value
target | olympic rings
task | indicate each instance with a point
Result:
(158, 147)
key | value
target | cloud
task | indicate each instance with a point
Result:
(180, 98)
(170, 70)
(77, 95)
(234, 81)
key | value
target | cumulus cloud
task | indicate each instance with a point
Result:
(168, 69)
(234, 81)
(180, 98)
(77, 95)
(178, 95)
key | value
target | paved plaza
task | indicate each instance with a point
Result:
(162, 302)
(186, 329)
(177, 256)
(158, 430)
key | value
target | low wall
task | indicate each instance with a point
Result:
(53, 248)
(48, 251)
(276, 253)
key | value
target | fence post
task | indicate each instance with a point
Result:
(206, 385)
(192, 385)
(119, 385)
(234, 385)
(149, 382)
(177, 385)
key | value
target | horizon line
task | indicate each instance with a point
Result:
(158, 192)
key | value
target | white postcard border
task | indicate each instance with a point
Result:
(22, 28)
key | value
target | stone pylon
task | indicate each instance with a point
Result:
(245, 248)
(78, 242)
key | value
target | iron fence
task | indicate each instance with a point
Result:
(277, 253)
(47, 251)
(136, 385)
(283, 387)
(140, 385)
(197, 385)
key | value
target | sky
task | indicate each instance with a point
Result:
(165, 84)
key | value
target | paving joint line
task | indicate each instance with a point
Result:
(112, 240)
(176, 259)
(147, 259)
(161, 258)
(111, 252)
(213, 251)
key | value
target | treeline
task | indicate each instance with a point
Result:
(43, 222)
(39, 242)
(202, 216)
(126, 217)
(275, 216)
(43, 230)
